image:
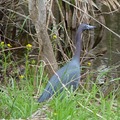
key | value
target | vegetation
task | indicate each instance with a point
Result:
(23, 72)
(18, 98)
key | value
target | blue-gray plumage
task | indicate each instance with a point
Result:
(69, 74)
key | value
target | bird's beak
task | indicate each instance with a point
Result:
(90, 27)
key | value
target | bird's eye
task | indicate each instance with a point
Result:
(87, 26)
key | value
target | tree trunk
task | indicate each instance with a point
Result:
(37, 10)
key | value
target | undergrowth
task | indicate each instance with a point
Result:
(18, 97)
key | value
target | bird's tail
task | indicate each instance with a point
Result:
(45, 96)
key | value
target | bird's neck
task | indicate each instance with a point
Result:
(78, 44)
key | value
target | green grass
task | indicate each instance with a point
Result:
(84, 106)
(17, 98)
(17, 101)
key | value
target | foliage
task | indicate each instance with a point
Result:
(22, 74)
(18, 99)
(17, 102)
(17, 88)
(84, 106)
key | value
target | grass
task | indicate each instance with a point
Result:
(17, 99)
(17, 102)
(84, 106)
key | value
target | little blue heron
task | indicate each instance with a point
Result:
(69, 75)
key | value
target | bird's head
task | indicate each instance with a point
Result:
(87, 27)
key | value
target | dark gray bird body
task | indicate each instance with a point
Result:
(69, 74)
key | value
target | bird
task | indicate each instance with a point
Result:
(69, 75)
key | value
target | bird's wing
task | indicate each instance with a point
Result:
(62, 78)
